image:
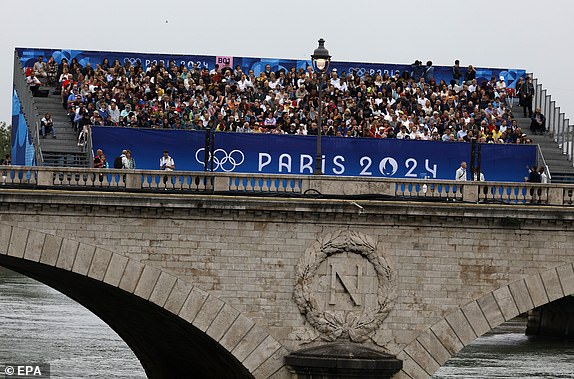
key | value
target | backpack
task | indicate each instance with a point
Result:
(118, 162)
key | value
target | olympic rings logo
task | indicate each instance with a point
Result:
(132, 61)
(227, 162)
(359, 70)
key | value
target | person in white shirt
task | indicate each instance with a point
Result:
(478, 176)
(166, 162)
(460, 175)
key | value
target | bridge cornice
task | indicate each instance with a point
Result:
(361, 209)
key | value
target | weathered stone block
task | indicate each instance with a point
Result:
(536, 290)
(115, 270)
(410, 368)
(34, 245)
(131, 275)
(566, 276)
(422, 357)
(461, 327)
(252, 339)
(83, 259)
(521, 296)
(435, 348)
(147, 282)
(5, 233)
(222, 322)
(271, 367)
(447, 336)
(18, 241)
(100, 263)
(51, 250)
(162, 289)
(552, 284)
(506, 303)
(490, 309)
(207, 313)
(67, 254)
(236, 332)
(261, 353)
(177, 297)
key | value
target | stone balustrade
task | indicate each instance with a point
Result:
(289, 185)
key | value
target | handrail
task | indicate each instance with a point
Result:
(542, 162)
(29, 108)
(556, 122)
(304, 186)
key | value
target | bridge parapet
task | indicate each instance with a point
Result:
(290, 185)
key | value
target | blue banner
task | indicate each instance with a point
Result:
(22, 148)
(29, 55)
(286, 154)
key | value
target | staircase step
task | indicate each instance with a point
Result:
(63, 150)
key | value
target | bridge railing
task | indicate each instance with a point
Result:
(286, 185)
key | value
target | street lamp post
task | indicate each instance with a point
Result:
(321, 60)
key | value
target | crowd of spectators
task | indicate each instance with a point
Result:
(412, 105)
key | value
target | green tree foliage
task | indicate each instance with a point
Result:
(5, 139)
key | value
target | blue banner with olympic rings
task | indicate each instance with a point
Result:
(287, 154)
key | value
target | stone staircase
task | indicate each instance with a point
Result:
(61, 151)
(560, 167)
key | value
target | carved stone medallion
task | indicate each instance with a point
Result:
(344, 287)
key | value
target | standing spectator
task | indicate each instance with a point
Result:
(128, 162)
(538, 124)
(166, 162)
(416, 70)
(534, 175)
(478, 176)
(83, 137)
(47, 126)
(114, 113)
(526, 95)
(98, 161)
(5, 162)
(52, 71)
(543, 176)
(456, 74)
(470, 74)
(460, 175)
(429, 72)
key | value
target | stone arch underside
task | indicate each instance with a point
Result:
(175, 329)
(435, 345)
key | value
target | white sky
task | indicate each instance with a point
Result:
(529, 34)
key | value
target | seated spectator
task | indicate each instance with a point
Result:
(47, 126)
(34, 84)
(40, 68)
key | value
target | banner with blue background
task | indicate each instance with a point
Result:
(286, 154)
(29, 55)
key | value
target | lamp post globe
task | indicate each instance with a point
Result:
(321, 60)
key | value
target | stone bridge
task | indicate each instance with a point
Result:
(226, 276)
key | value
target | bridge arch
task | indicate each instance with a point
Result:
(435, 345)
(174, 328)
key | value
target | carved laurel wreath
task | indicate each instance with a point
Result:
(333, 325)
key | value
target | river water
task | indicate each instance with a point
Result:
(38, 324)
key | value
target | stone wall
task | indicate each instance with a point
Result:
(245, 250)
